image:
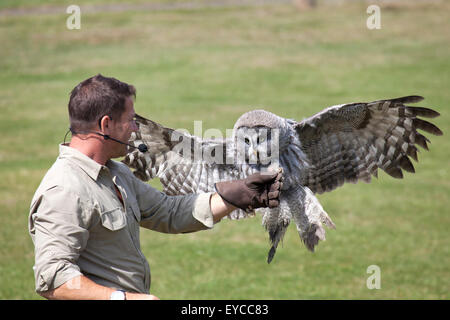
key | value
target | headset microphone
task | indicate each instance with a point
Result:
(142, 147)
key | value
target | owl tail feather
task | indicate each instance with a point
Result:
(271, 254)
(276, 235)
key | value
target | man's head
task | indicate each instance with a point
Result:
(96, 97)
(105, 105)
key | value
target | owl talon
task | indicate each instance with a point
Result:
(312, 237)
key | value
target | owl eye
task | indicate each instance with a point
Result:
(247, 141)
(261, 139)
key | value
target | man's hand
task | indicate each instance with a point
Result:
(256, 191)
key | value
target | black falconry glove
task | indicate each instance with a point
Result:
(256, 191)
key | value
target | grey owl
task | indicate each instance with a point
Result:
(343, 143)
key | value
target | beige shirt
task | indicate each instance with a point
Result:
(80, 227)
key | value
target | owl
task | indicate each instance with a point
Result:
(342, 143)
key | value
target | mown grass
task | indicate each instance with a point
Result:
(213, 65)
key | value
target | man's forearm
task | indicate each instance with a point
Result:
(82, 288)
(219, 207)
(78, 288)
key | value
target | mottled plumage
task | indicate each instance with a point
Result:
(343, 143)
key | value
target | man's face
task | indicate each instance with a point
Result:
(123, 128)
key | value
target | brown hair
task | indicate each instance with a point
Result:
(96, 97)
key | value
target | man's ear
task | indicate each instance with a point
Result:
(104, 123)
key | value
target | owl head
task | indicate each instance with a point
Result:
(260, 137)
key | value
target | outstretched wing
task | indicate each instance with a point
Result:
(184, 164)
(347, 143)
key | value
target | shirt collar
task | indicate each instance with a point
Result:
(88, 165)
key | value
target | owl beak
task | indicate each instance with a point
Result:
(253, 154)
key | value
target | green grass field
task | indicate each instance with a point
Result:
(213, 65)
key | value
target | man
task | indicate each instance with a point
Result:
(85, 216)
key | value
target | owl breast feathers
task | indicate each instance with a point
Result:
(343, 143)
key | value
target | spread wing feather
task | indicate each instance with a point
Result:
(349, 142)
(184, 163)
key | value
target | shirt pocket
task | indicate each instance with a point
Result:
(113, 219)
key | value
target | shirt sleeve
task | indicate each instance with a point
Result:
(173, 214)
(58, 229)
